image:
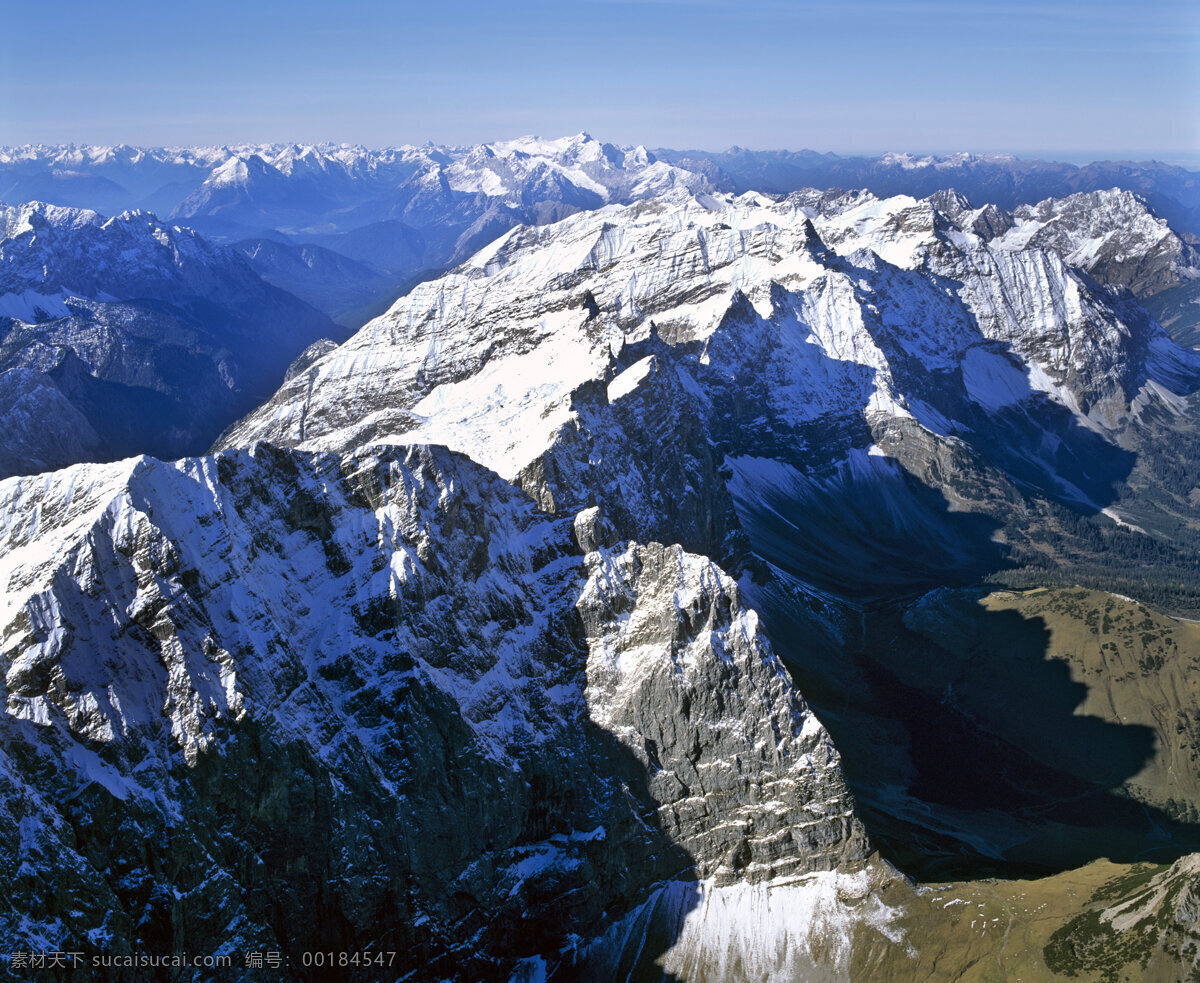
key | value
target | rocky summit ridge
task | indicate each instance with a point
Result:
(391, 669)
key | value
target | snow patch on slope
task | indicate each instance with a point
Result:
(777, 931)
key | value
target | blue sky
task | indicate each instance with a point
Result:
(1110, 78)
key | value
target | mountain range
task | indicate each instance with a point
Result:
(347, 231)
(691, 583)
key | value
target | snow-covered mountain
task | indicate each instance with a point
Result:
(411, 209)
(310, 190)
(1111, 234)
(107, 179)
(481, 644)
(263, 181)
(120, 335)
(149, 177)
(1004, 180)
(829, 309)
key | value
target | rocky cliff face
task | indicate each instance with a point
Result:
(1112, 235)
(279, 700)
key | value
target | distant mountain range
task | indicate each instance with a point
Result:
(407, 212)
(999, 179)
(126, 335)
(294, 187)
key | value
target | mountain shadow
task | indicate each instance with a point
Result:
(961, 735)
(965, 748)
(268, 851)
